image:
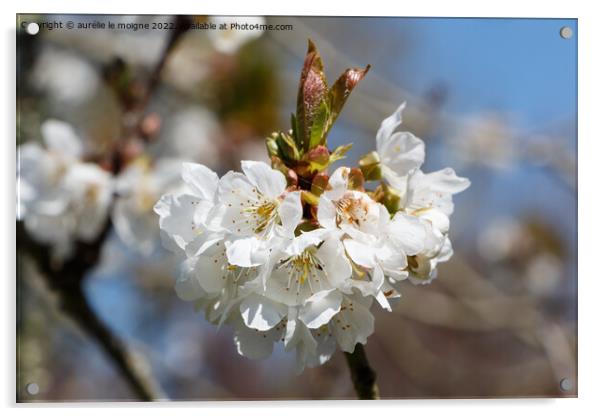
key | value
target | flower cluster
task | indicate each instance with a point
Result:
(288, 253)
(61, 197)
(65, 198)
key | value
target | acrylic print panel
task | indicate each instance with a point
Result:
(239, 208)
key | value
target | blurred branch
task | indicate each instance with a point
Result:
(362, 375)
(66, 280)
(182, 24)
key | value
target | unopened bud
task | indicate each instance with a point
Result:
(370, 166)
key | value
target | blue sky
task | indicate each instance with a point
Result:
(520, 66)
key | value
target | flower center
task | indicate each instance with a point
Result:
(263, 215)
(303, 268)
(351, 210)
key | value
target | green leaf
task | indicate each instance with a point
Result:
(312, 90)
(310, 198)
(339, 152)
(317, 134)
(272, 145)
(340, 91)
(294, 126)
(288, 147)
(370, 166)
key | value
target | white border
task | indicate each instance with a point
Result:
(590, 347)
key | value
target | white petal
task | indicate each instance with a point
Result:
(201, 180)
(324, 350)
(297, 334)
(445, 181)
(187, 285)
(61, 138)
(437, 218)
(91, 189)
(338, 184)
(176, 220)
(261, 313)
(408, 233)
(290, 337)
(361, 253)
(446, 251)
(253, 344)
(327, 213)
(319, 309)
(203, 241)
(233, 184)
(335, 262)
(246, 252)
(382, 301)
(290, 212)
(210, 272)
(402, 153)
(388, 126)
(357, 321)
(270, 182)
(304, 240)
(136, 229)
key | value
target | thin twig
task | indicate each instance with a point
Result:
(362, 375)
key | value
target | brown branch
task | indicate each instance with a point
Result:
(182, 24)
(66, 280)
(362, 375)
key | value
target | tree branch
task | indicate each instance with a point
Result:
(362, 375)
(66, 280)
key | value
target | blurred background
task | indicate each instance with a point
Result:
(493, 98)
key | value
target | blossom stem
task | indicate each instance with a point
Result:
(362, 375)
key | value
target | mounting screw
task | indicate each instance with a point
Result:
(566, 384)
(566, 32)
(32, 28)
(32, 389)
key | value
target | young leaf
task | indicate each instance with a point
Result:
(272, 145)
(340, 91)
(287, 146)
(317, 134)
(312, 90)
(339, 152)
(294, 126)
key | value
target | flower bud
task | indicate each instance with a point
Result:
(370, 166)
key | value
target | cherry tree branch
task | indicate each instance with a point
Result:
(362, 375)
(67, 278)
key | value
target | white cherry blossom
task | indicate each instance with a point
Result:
(138, 188)
(183, 214)
(228, 41)
(340, 207)
(400, 152)
(257, 211)
(60, 198)
(278, 265)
